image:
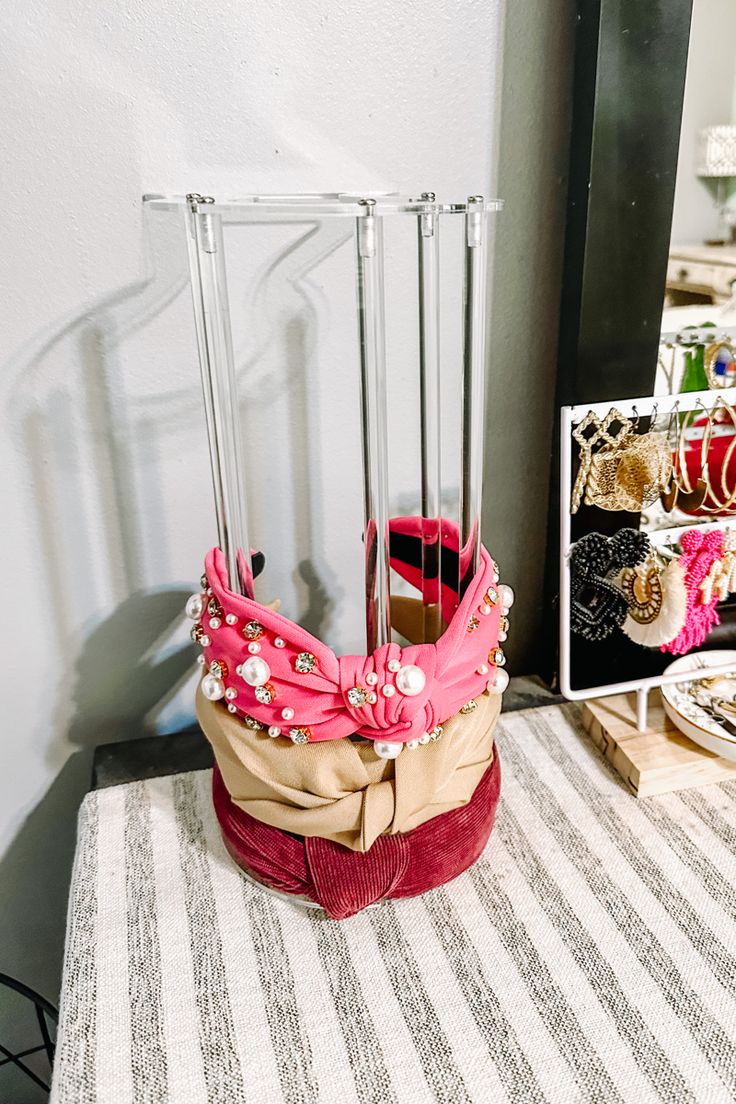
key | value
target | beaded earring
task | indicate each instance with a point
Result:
(598, 605)
(721, 579)
(700, 551)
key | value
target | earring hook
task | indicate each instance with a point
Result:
(674, 412)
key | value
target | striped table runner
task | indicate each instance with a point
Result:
(588, 956)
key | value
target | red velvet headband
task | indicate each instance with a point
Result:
(343, 881)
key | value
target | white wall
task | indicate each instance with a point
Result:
(106, 497)
(710, 88)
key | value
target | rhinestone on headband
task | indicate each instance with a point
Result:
(265, 694)
(304, 663)
(299, 735)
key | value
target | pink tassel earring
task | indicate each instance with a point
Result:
(699, 552)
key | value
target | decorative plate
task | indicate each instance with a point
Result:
(689, 705)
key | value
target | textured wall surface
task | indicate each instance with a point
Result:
(105, 486)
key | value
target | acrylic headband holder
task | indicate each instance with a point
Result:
(663, 406)
(364, 219)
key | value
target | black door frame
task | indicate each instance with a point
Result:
(629, 79)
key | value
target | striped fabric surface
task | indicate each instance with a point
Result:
(588, 956)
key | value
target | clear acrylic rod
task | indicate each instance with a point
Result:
(474, 376)
(428, 243)
(370, 293)
(214, 340)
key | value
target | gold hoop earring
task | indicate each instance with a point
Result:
(681, 493)
(719, 507)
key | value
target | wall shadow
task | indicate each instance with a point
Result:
(119, 698)
(84, 434)
(115, 675)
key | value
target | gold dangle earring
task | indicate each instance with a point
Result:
(668, 497)
(729, 494)
(687, 497)
(607, 440)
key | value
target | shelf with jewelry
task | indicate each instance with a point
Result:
(641, 595)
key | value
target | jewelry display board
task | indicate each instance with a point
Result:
(603, 421)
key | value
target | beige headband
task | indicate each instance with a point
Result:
(341, 790)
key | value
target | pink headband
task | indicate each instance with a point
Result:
(278, 677)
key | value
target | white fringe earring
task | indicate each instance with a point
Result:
(657, 600)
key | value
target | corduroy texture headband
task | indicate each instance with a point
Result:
(343, 881)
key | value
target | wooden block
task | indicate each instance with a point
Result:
(657, 761)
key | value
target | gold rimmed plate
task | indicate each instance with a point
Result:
(697, 721)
